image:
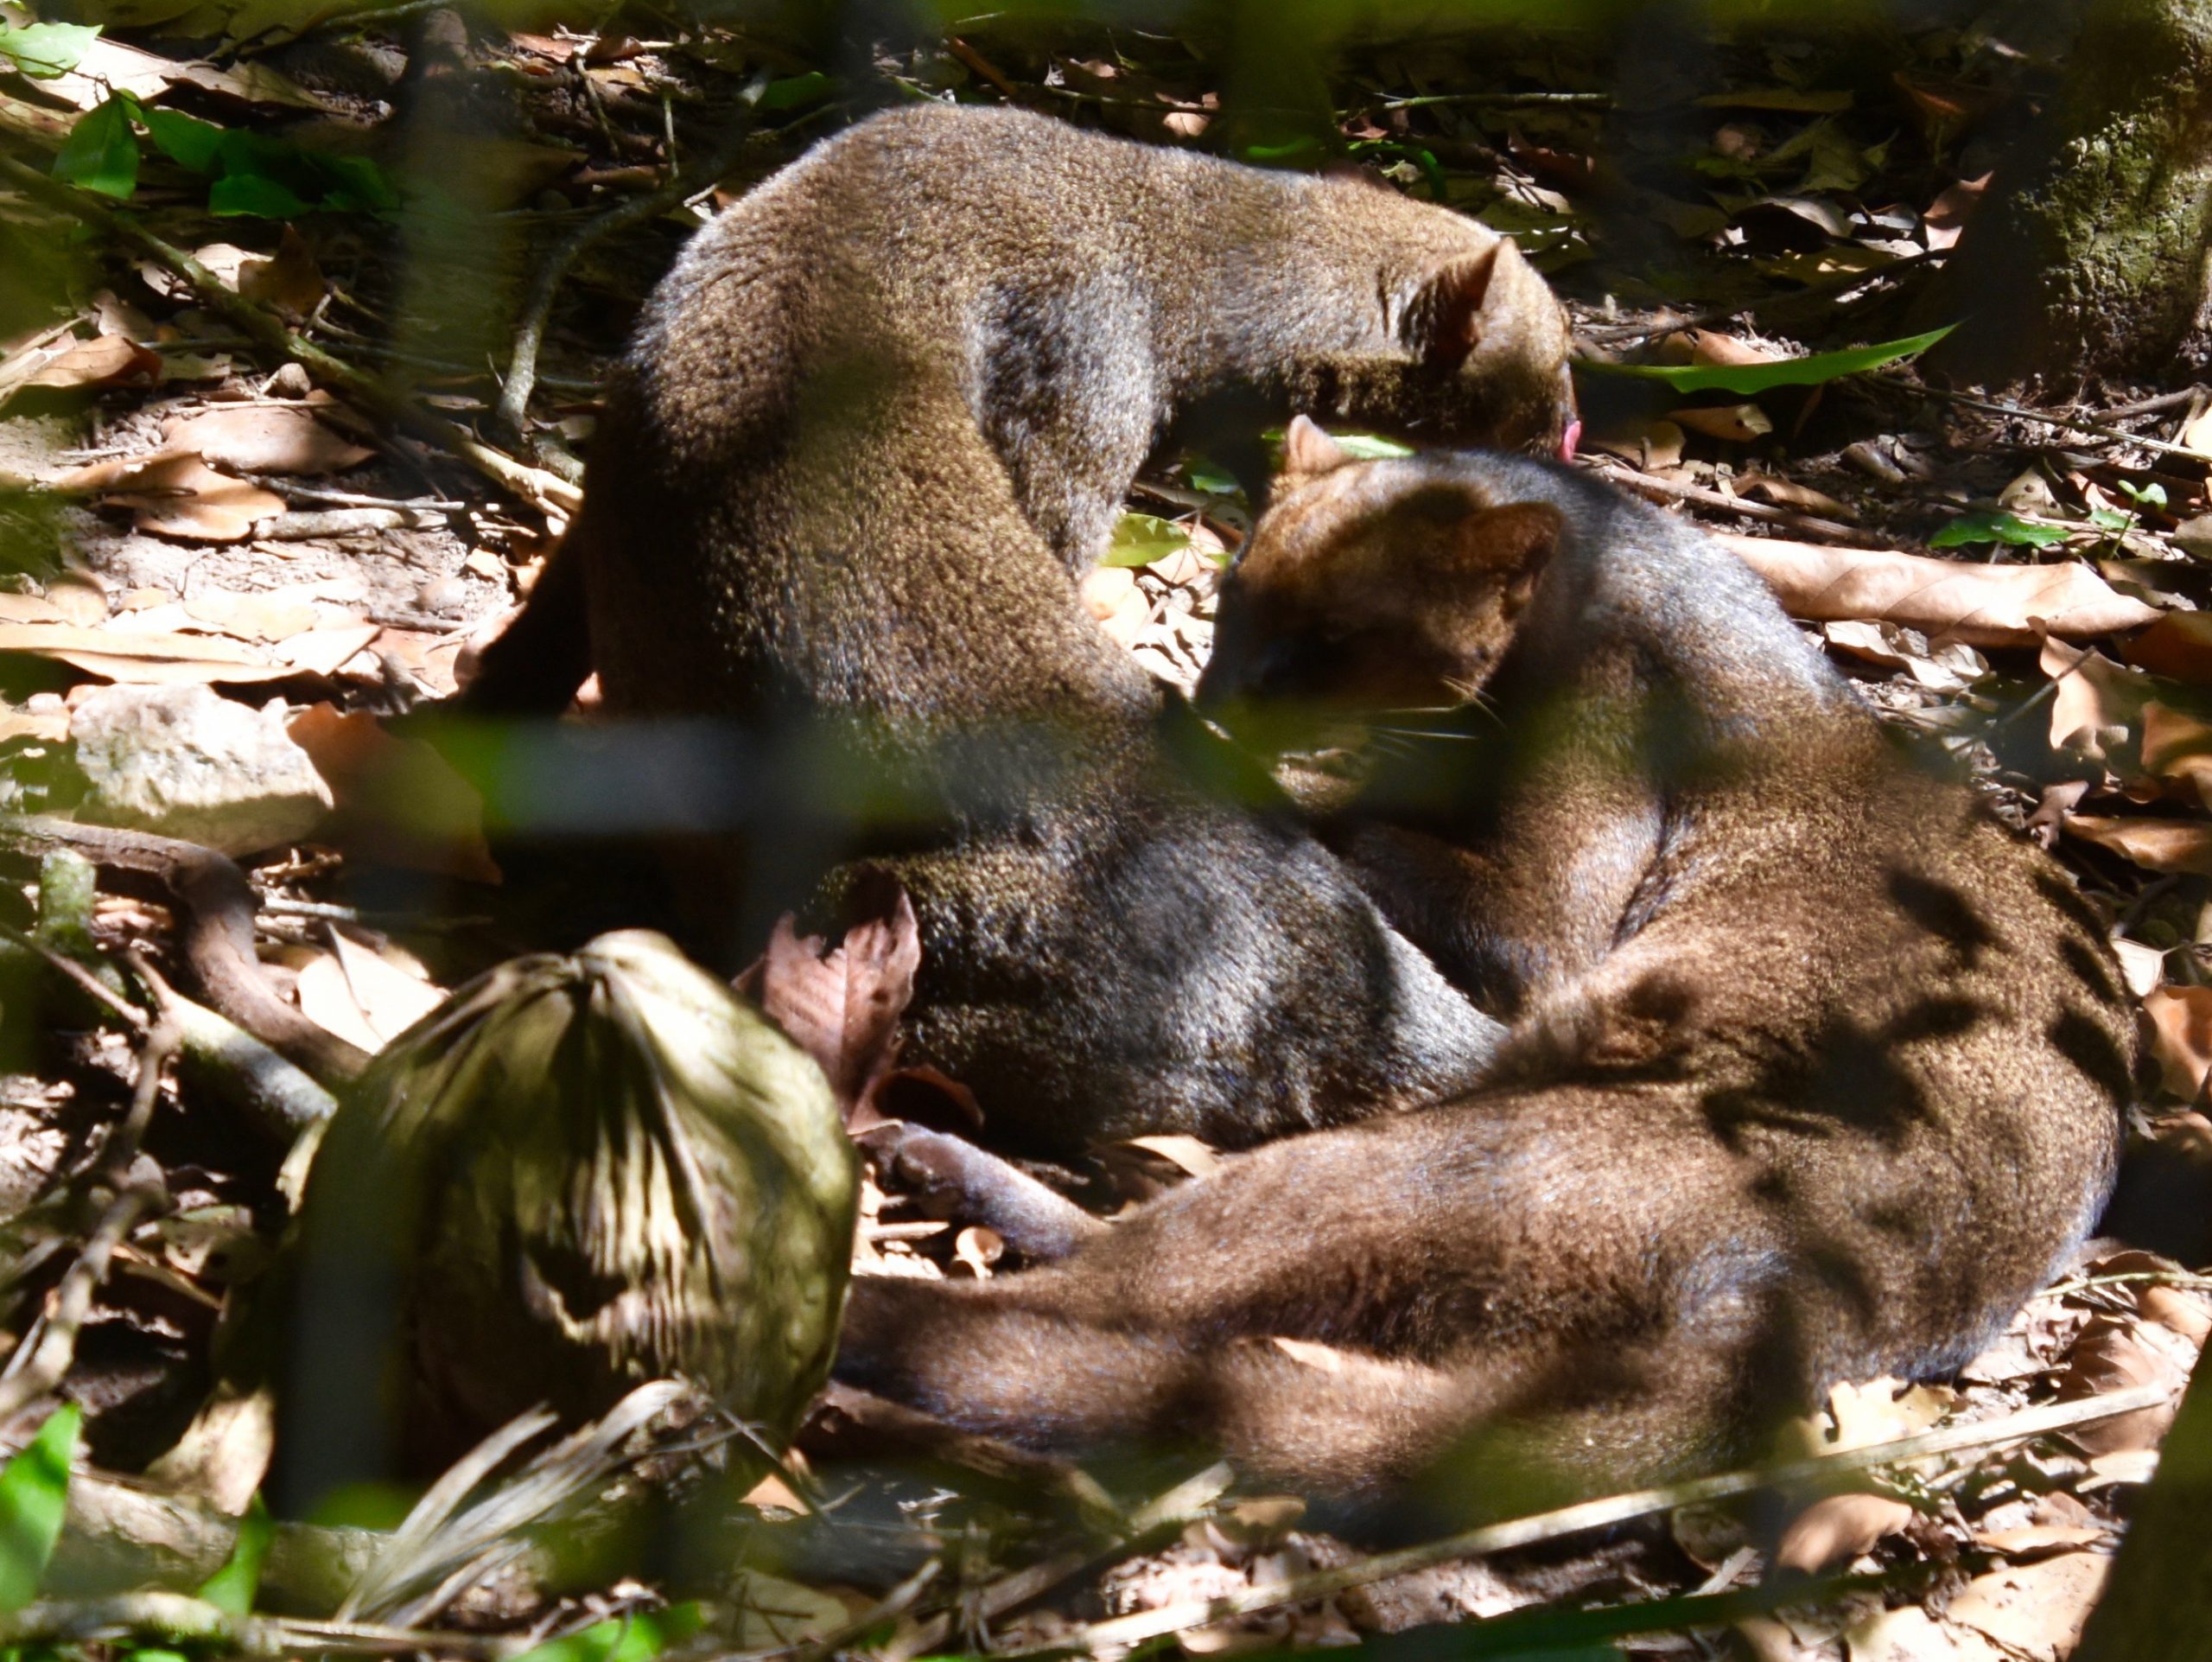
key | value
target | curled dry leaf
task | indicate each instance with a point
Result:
(1982, 605)
(2034, 1610)
(1946, 215)
(1839, 1528)
(1787, 493)
(842, 1006)
(1738, 422)
(142, 658)
(2181, 1037)
(177, 494)
(2177, 752)
(2112, 1356)
(2095, 704)
(2179, 645)
(1648, 444)
(272, 438)
(101, 361)
(2155, 844)
(398, 800)
(289, 280)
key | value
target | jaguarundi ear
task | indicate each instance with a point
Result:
(1448, 315)
(1514, 542)
(1308, 452)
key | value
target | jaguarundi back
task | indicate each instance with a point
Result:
(875, 422)
(1817, 1071)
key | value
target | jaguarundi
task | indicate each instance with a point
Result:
(875, 422)
(1817, 1071)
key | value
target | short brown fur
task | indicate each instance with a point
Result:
(876, 420)
(1817, 1071)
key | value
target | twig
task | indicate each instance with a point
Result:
(216, 931)
(175, 1616)
(47, 1351)
(2159, 405)
(86, 982)
(1503, 100)
(1595, 1514)
(1187, 1500)
(2093, 430)
(1668, 490)
(507, 416)
(265, 330)
(294, 492)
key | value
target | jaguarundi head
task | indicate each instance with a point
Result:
(1488, 346)
(1371, 586)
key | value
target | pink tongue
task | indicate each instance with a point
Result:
(1569, 440)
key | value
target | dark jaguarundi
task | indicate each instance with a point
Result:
(1816, 1072)
(875, 422)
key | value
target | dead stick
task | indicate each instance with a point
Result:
(216, 935)
(1668, 490)
(264, 330)
(1596, 1514)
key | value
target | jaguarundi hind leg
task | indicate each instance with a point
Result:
(954, 1178)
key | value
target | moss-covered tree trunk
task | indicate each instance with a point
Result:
(2089, 254)
(2157, 1606)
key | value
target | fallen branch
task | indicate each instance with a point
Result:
(1960, 600)
(1594, 1514)
(262, 326)
(1668, 490)
(215, 929)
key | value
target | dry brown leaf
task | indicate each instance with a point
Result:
(390, 999)
(79, 597)
(1710, 346)
(2179, 644)
(2096, 704)
(266, 615)
(2181, 1037)
(842, 1007)
(2110, 1356)
(976, 1248)
(2037, 1609)
(1738, 422)
(48, 726)
(1908, 1633)
(1787, 492)
(326, 999)
(1982, 605)
(2039, 1537)
(2176, 1310)
(321, 651)
(1648, 444)
(2196, 433)
(2178, 751)
(101, 361)
(289, 280)
(272, 438)
(398, 801)
(1946, 215)
(177, 494)
(2154, 844)
(1839, 1528)
(144, 659)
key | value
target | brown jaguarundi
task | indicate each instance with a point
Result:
(875, 422)
(1817, 1071)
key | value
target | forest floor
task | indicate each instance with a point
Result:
(186, 509)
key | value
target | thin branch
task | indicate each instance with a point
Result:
(682, 183)
(2089, 428)
(1667, 490)
(1595, 1514)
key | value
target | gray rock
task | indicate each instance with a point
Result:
(184, 763)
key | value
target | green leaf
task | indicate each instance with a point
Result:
(795, 90)
(2152, 495)
(1749, 378)
(101, 152)
(185, 140)
(33, 1494)
(45, 50)
(1214, 481)
(2110, 519)
(621, 1639)
(1142, 538)
(1369, 448)
(232, 1586)
(255, 193)
(1996, 528)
